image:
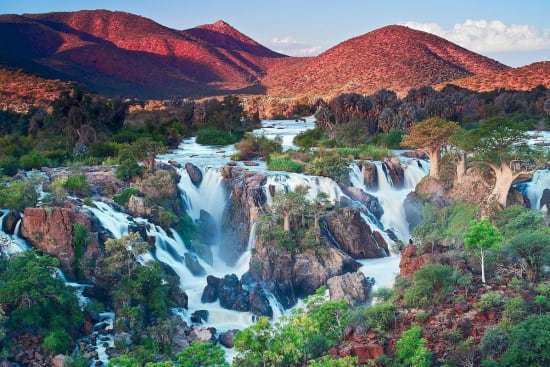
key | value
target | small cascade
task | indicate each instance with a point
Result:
(316, 184)
(208, 196)
(535, 187)
(11, 244)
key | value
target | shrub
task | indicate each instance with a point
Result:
(57, 341)
(9, 166)
(381, 315)
(411, 349)
(515, 310)
(18, 194)
(489, 301)
(33, 160)
(124, 196)
(215, 137)
(127, 169)
(529, 343)
(391, 140)
(252, 146)
(494, 342)
(330, 165)
(309, 138)
(77, 184)
(284, 163)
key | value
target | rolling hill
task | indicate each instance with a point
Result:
(117, 53)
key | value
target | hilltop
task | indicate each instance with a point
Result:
(117, 53)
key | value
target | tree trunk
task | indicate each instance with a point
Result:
(482, 258)
(505, 177)
(433, 155)
(286, 224)
(461, 168)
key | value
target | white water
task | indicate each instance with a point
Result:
(11, 244)
(535, 187)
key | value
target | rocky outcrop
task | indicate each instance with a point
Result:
(226, 338)
(370, 175)
(370, 202)
(192, 263)
(354, 288)
(545, 200)
(137, 206)
(232, 295)
(393, 170)
(433, 191)
(351, 234)
(52, 231)
(246, 198)
(414, 210)
(10, 221)
(194, 173)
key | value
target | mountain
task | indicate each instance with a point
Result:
(523, 78)
(117, 53)
(393, 57)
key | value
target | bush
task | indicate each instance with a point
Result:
(9, 166)
(57, 341)
(515, 310)
(18, 194)
(391, 140)
(124, 196)
(77, 184)
(411, 349)
(494, 342)
(284, 163)
(252, 146)
(215, 137)
(33, 160)
(489, 301)
(309, 138)
(330, 165)
(127, 169)
(529, 343)
(381, 315)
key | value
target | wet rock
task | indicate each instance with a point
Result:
(371, 202)
(192, 263)
(199, 316)
(232, 295)
(394, 172)
(194, 173)
(354, 288)
(211, 291)
(226, 338)
(174, 163)
(353, 235)
(10, 221)
(137, 206)
(259, 304)
(206, 227)
(414, 210)
(370, 176)
(431, 189)
(545, 200)
(204, 335)
(58, 361)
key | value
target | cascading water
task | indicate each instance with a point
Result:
(11, 244)
(535, 187)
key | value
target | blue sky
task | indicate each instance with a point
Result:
(515, 33)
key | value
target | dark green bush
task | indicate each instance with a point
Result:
(127, 169)
(216, 137)
(284, 163)
(124, 196)
(77, 184)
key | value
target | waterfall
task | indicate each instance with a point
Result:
(535, 187)
(317, 184)
(11, 244)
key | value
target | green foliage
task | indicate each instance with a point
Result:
(202, 355)
(391, 140)
(57, 341)
(411, 349)
(282, 162)
(39, 300)
(533, 247)
(123, 361)
(186, 228)
(380, 316)
(18, 194)
(252, 146)
(122, 253)
(489, 301)
(517, 219)
(351, 134)
(33, 160)
(3, 320)
(309, 138)
(364, 151)
(215, 137)
(445, 223)
(127, 169)
(77, 184)
(494, 342)
(81, 239)
(529, 343)
(431, 285)
(330, 165)
(124, 196)
(327, 361)
(482, 238)
(9, 165)
(515, 310)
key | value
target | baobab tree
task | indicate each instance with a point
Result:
(430, 136)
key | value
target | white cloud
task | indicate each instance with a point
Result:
(490, 36)
(289, 46)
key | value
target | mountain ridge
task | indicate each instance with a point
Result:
(118, 53)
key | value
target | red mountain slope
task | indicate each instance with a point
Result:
(393, 57)
(117, 53)
(523, 78)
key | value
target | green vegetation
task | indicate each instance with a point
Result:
(411, 349)
(38, 300)
(252, 146)
(330, 165)
(18, 194)
(215, 137)
(124, 196)
(283, 162)
(483, 239)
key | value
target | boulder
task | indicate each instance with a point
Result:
(59, 360)
(210, 293)
(394, 172)
(51, 231)
(10, 221)
(199, 316)
(414, 210)
(203, 335)
(226, 338)
(206, 227)
(371, 202)
(137, 206)
(232, 295)
(353, 235)
(545, 200)
(434, 191)
(192, 263)
(259, 304)
(174, 163)
(354, 288)
(370, 176)
(195, 174)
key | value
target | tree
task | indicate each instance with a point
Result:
(482, 238)
(430, 136)
(529, 343)
(202, 355)
(255, 345)
(533, 248)
(411, 349)
(123, 252)
(501, 143)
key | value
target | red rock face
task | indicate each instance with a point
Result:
(119, 53)
(51, 231)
